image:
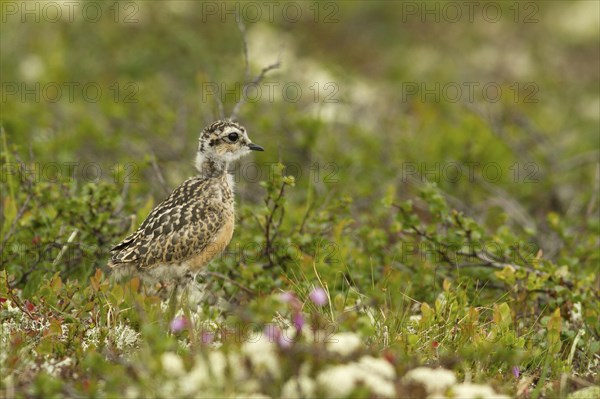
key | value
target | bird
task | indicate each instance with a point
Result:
(195, 222)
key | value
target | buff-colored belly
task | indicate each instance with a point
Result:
(215, 247)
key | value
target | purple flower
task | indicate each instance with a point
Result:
(287, 297)
(208, 337)
(284, 342)
(275, 335)
(272, 332)
(318, 296)
(178, 324)
(516, 372)
(291, 299)
(298, 320)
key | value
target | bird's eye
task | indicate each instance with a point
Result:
(232, 137)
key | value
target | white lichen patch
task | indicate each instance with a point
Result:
(299, 387)
(123, 337)
(54, 366)
(344, 344)
(369, 372)
(262, 353)
(475, 391)
(433, 380)
(172, 364)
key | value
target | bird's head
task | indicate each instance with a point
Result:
(223, 142)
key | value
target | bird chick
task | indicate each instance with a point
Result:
(195, 223)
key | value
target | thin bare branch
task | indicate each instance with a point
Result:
(579, 160)
(269, 223)
(159, 175)
(510, 204)
(220, 106)
(442, 248)
(242, 28)
(258, 78)
(218, 102)
(237, 284)
(121, 203)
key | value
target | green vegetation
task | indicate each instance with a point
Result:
(395, 223)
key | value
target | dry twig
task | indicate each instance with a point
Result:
(159, 175)
(257, 79)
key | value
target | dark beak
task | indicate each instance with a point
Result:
(255, 147)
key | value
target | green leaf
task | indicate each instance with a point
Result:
(554, 327)
(507, 275)
(502, 316)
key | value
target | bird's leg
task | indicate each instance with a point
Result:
(162, 285)
(160, 288)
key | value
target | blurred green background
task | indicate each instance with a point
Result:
(418, 87)
(497, 103)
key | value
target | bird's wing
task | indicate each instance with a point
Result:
(182, 225)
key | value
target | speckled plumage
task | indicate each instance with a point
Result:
(195, 223)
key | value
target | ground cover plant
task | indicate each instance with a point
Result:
(423, 221)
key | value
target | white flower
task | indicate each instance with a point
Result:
(172, 364)
(344, 343)
(475, 391)
(433, 380)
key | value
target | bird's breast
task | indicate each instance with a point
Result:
(218, 243)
